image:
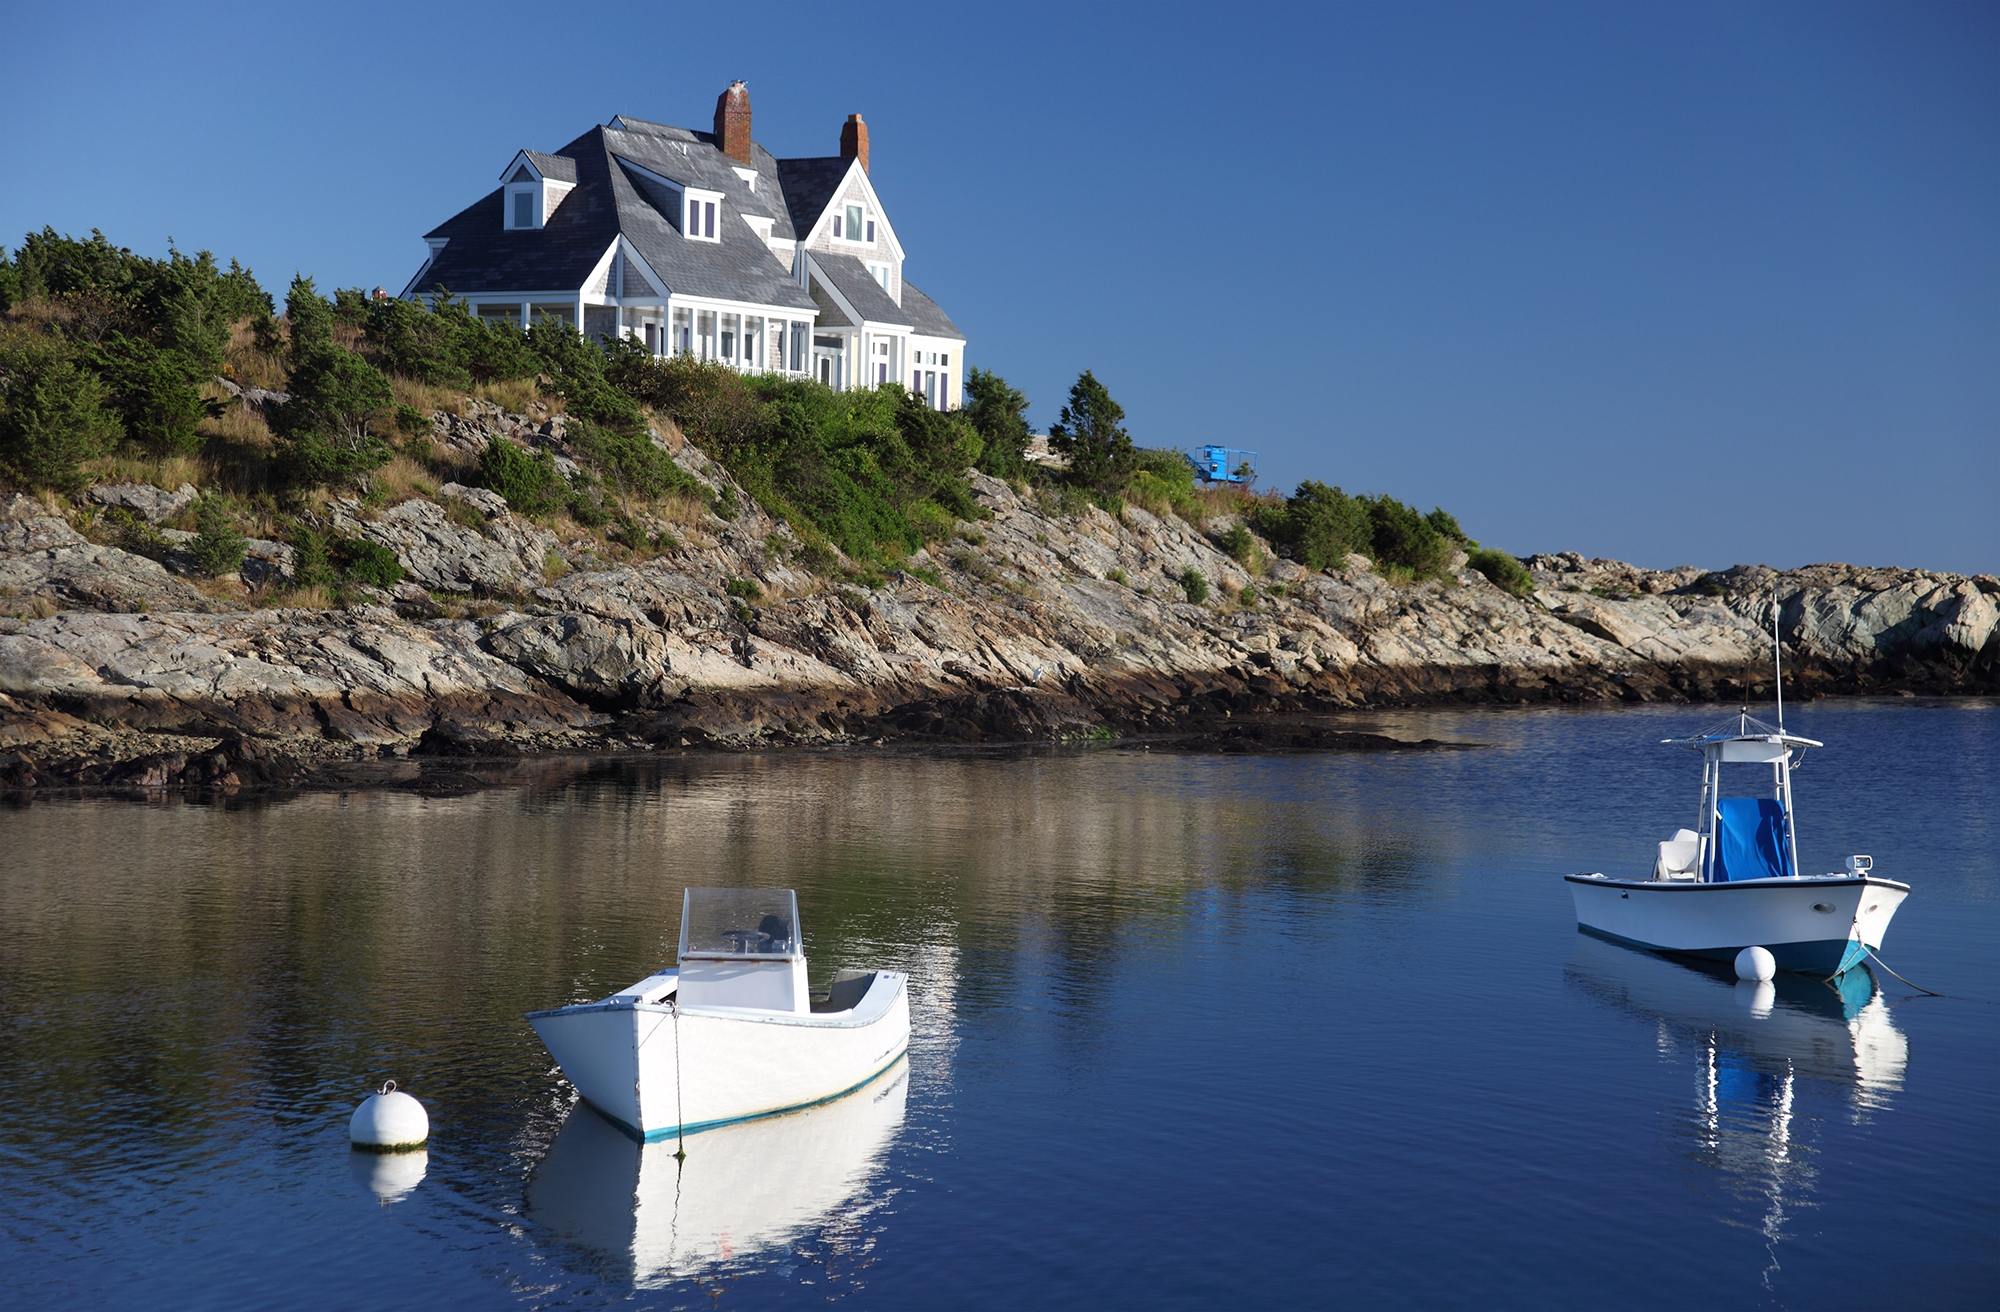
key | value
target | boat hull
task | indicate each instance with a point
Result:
(663, 1072)
(1814, 926)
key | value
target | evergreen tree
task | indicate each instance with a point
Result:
(52, 416)
(1100, 451)
(999, 414)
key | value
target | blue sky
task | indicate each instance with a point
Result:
(1677, 285)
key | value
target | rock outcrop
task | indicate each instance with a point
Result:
(507, 638)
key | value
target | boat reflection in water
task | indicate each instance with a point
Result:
(743, 1189)
(1764, 1056)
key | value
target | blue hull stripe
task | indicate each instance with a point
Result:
(670, 1132)
(1827, 956)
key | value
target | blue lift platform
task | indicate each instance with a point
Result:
(1222, 464)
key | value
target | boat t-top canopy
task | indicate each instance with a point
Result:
(1748, 729)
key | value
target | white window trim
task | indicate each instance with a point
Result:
(692, 196)
(868, 215)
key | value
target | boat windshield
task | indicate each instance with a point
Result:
(740, 922)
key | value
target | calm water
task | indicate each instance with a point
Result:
(1190, 1032)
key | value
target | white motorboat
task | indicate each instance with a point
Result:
(1733, 881)
(729, 1034)
(745, 1189)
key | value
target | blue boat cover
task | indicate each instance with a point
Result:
(1753, 839)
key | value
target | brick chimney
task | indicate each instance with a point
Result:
(853, 139)
(732, 122)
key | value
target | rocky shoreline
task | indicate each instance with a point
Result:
(508, 639)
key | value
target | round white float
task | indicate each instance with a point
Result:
(1755, 964)
(388, 1122)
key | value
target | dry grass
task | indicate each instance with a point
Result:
(681, 511)
(519, 396)
(243, 363)
(169, 473)
(313, 598)
(401, 479)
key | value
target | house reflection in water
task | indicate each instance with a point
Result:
(1757, 1051)
(743, 1191)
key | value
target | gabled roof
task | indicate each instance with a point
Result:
(809, 185)
(857, 286)
(925, 316)
(558, 168)
(609, 201)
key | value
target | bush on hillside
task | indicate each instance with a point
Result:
(528, 479)
(876, 473)
(1503, 571)
(217, 546)
(153, 332)
(998, 413)
(54, 413)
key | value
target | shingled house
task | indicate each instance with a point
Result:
(703, 243)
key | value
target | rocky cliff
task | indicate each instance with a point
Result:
(509, 635)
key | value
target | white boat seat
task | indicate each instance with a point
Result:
(1680, 857)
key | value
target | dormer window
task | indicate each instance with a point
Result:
(534, 188)
(701, 215)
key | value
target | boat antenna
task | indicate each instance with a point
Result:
(1777, 659)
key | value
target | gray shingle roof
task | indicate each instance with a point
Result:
(851, 277)
(809, 185)
(612, 196)
(830, 313)
(559, 167)
(925, 316)
(483, 257)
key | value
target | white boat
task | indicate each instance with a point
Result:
(1733, 881)
(730, 1034)
(750, 1188)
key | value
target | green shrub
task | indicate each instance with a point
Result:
(1320, 524)
(411, 421)
(528, 479)
(312, 559)
(1194, 585)
(998, 413)
(1238, 544)
(217, 546)
(53, 414)
(744, 588)
(1402, 539)
(1247, 596)
(1503, 571)
(367, 562)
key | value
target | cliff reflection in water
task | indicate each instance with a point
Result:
(801, 1182)
(1757, 1055)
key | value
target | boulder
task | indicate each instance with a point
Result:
(154, 505)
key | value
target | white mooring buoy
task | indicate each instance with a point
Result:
(389, 1122)
(1755, 964)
